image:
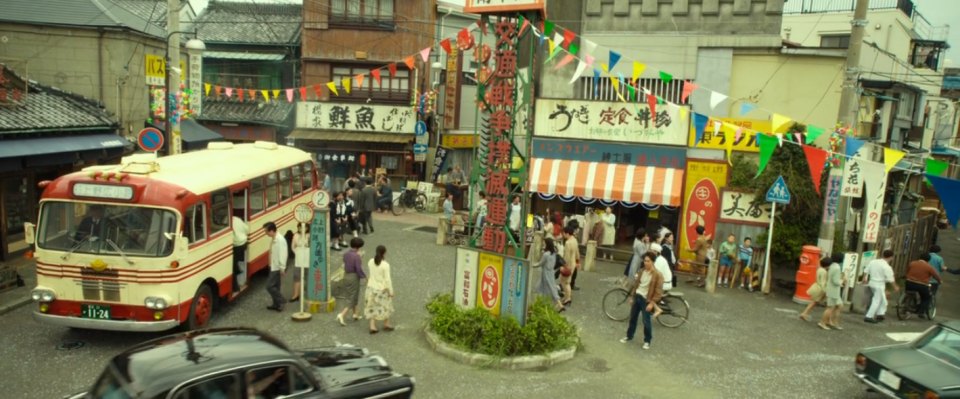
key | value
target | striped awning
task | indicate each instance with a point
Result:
(606, 181)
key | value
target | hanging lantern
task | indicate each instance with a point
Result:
(363, 160)
(408, 157)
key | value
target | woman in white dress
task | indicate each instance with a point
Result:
(379, 294)
(301, 256)
(609, 231)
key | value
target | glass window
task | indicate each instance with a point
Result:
(222, 387)
(297, 177)
(195, 223)
(272, 189)
(835, 41)
(284, 184)
(395, 87)
(271, 382)
(107, 229)
(942, 344)
(220, 211)
(362, 11)
(307, 182)
(112, 386)
(256, 196)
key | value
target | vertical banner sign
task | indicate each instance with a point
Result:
(850, 262)
(500, 98)
(451, 96)
(491, 281)
(834, 184)
(196, 81)
(317, 274)
(439, 159)
(465, 281)
(513, 297)
(852, 179)
(701, 194)
(875, 178)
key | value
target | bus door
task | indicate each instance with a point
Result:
(240, 253)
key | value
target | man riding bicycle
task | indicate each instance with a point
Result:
(919, 273)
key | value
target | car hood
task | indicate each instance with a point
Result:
(916, 366)
(344, 366)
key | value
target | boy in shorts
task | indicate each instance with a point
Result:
(728, 255)
(746, 255)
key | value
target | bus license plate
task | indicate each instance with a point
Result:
(101, 312)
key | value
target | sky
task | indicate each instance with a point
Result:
(943, 12)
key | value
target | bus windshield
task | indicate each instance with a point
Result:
(106, 229)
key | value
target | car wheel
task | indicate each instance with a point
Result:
(201, 309)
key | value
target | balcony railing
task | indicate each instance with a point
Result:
(819, 6)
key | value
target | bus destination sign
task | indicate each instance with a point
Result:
(105, 191)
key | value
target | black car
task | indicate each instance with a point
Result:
(244, 364)
(925, 368)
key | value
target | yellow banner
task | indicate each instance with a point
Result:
(490, 282)
(458, 140)
(728, 131)
(155, 70)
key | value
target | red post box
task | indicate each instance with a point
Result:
(807, 273)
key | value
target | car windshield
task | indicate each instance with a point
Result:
(943, 344)
(106, 229)
(111, 386)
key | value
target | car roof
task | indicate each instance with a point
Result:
(156, 366)
(951, 324)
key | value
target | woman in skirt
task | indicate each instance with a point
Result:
(379, 295)
(547, 264)
(349, 293)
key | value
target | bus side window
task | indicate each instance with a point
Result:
(284, 184)
(307, 182)
(220, 211)
(272, 189)
(297, 177)
(256, 195)
(195, 223)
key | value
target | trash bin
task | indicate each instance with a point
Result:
(807, 273)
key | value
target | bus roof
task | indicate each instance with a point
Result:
(218, 166)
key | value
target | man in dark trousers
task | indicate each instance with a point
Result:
(278, 266)
(368, 203)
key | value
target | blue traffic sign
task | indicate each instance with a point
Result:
(421, 128)
(150, 139)
(419, 148)
(778, 192)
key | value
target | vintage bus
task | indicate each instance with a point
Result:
(148, 245)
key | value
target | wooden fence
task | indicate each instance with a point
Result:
(907, 241)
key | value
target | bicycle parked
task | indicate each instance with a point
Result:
(409, 198)
(909, 304)
(676, 310)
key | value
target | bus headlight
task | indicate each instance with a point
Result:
(43, 295)
(155, 302)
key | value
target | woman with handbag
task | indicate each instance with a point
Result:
(547, 263)
(816, 291)
(379, 295)
(349, 292)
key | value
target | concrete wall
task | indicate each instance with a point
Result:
(717, 17)
(70, 60)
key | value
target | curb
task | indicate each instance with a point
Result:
(13, 305)
(508, 363)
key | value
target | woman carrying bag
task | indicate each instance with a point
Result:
(817, 291)
(379, 294)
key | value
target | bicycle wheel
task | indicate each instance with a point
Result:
(616, 304)
(932, 310)
(421, 203)
(906, 304)
(398, 207)
(675, 311)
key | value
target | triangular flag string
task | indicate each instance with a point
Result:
(333, 88)
(767, 145)
(816, 160)
(891, 157)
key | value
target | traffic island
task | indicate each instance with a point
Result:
(478, 338)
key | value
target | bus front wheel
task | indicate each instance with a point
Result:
(201, 308)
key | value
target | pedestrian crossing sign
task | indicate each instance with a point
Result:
(778, 192)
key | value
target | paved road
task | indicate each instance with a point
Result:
(736, 345)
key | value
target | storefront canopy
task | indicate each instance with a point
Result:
(336, 135)
(606, 181)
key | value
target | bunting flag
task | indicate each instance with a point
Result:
(303, 93)
(425, 54)
(853, 145)
(376, 75)
(949, 192)
(581, 67)
(588, 46)
(812, 133)
(716, 98)
(252, 94)
(699, 123)
(738, 133)
(557, 45)
(614, 59)
(524, 24)
(276, 94)
(568, 36)
(779, 139)
(631, 91)
(568, 58)
(445, 45)
(891, 157)
(717, 127)
(936, 167)
(392, 67)
(216, 90)
(358, 80)
(333, 88)
(666, 77)
(799, 137)
(266, 95)
(206, 89)
(652, 103)
(778, 121)
(816, 160)
(345, 83)
(596, 82)
(289, 95)
(550, 52)
(746, 107)
(229, 92)
(637, 71)
(616, 86)
(767, 143)
(688, 88)
(239, 94)
(547, 27)
(729, 150)
(410, 62)
(317, 91)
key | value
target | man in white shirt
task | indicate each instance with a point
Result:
(663, 267)
(278, 265)
(877, 275)
(240, 232)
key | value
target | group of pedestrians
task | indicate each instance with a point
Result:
(559, 262)
(352, 209)
(829, 281)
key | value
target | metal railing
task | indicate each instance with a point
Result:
(819, 6)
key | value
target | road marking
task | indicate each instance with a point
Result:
(904, 337)
(785, 310)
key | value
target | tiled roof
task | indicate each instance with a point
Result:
(46, 109)
(155, 10)
(91, 13)
(250, 23)
(275, 113)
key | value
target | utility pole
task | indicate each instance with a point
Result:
(172, 69)
(849, 110)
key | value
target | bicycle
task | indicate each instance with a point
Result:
(909, 302)
(676, 310)
(409, 198)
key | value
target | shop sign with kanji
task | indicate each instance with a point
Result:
(355, 117)
(611, 121)
(458, 140)
(743, 132)
(594, 151)
(743, 208)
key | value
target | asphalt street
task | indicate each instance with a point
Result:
(735, 345)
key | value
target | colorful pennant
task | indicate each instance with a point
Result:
(767, 143)
(716, 98)
(425, 54)
(778, 121)
(688, 88)
(853, 145)
(813, 132)
(891, 157)
(816, 160)
(445, 45)
(949, 192)
(666, 78)
(614, 59)
(746, 107)
(333, 88)
(699, 123)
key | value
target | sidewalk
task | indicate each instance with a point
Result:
(14, 297)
